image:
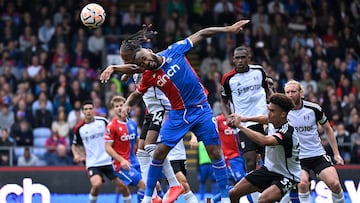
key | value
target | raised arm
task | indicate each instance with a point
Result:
(210, 31)
(124, 68)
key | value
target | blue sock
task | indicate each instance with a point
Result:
(215, 188)
(202, 191)
(153, 176)
(140, 195)
(160, 193)
(221, 176)
(117, 197)
(294, 198)
(217, 198)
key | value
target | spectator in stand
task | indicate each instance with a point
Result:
(354, 121)
(345, 88)
(75, 115)
(355, 140)
(25, 38)
(35, 67)
(60, 157)
(52, 143)
(308, 80)
(28, 159)
(344, 142)
(43, 97)
(60, 38)
(21, 131)
(45, 32)
(43, 117)
(77, 56)
(324, 81)
(5, 141)
(7, 117)
(77, 93)
(61, 125)
(96, 45)
(61, 99)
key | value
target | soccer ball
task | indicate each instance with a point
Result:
(92, 15)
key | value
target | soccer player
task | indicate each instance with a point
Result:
(177, 157)
(89, 136)
(230, 148)
(281, 170)
(117, 145)
(134, 141)
(305, 118)
(171, 73)
(205, 169)
(244, 89)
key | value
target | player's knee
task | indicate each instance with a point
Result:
(250, 165)
(234, 196)
(334, 186)
(303, 186)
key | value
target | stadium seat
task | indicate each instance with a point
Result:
(39, 146)
(41, 132)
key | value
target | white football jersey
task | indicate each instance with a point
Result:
(91, 136)
(284, 158)
(154, 99)
(246, 91)
(305, 122)
(177, 152)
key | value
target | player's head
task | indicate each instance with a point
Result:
(117, 102)
(294, 90)
(88, 110)
(132, 44)
(278, 108)
(241, 58)
(147, 59)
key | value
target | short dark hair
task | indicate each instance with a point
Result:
(283, 101)
(87, 102)
(242, 48)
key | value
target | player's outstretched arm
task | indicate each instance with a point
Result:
(210, 31)
(125, 68)
(257, 137)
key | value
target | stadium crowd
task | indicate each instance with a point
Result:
(50, 62)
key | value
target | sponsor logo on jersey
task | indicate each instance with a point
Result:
(162, 79)
(304, 128)
(248, 89)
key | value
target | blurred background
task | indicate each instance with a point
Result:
(50, 63)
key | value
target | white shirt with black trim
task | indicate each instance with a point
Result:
(246, 92)
(305, 122)
(91, 136)
(284, 158)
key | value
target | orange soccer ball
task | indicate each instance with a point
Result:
(92, 15)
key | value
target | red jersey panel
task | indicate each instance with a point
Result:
(229, 144)
(117, 133)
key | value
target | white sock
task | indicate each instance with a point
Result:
(144, 161)
(338, 198)
(146, 199)
(255, 196)
(167, 169)
(305, 197)
(190, 197)
(127, 199)
(92, 198)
